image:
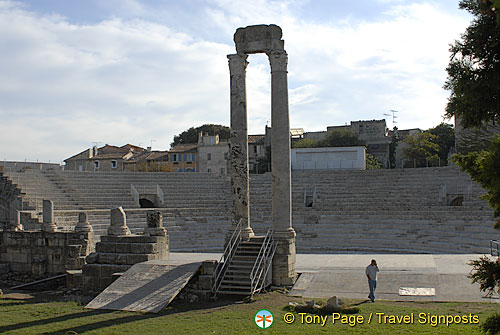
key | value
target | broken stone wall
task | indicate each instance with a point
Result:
(39, 252)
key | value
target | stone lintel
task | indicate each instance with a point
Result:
(259, 39)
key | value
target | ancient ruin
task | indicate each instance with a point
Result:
(250, 40)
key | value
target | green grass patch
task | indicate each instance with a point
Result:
(35, 316)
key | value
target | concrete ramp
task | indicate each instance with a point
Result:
(145, 287)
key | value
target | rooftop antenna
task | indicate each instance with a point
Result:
(394, 117)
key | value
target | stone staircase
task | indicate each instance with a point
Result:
(237, 279)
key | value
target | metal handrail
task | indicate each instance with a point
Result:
(265, 256)
(226, 257)
(271, 253)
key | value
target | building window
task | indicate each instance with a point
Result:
(114, 164)
(174, 157)
(225, 155)
(209, 156)
(222, 170)
(96, 165)
(254, 149)
(209, 170)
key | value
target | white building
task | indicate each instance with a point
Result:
(329, 158)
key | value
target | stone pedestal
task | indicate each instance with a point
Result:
(83, 224)
(117, 254)
(118, 224)
(154, 224)
(17, 226)
(284, 259)
(48, 224)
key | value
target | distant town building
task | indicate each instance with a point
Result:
(13, 166)
(183, 158)
(106, 158)
(213, 154)
(148, 161)
(329, 158)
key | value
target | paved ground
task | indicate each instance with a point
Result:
(343, 275)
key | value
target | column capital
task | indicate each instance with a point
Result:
(237, 61)
(278, 61)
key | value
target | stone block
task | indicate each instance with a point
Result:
(73, 251)
(105, 247)
(4, 268)
(138, 258)
(106, 258)
(92, 258)
(205, 282)
(91, 270)
(74, 278)
(122, 259)
(208, 267)
(123, 248)
(19, 257)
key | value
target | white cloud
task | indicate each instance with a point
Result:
(130, 80)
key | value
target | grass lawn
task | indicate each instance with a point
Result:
(36, 315)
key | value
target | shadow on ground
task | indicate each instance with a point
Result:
(121, 317)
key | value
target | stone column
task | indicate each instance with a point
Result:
(48, 224)
(239, 145)
(83, 225)
(284, 234)
(118, 225)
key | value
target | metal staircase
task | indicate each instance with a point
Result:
(245, 267)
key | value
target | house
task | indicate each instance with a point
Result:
(256, 151)
(213, 154)
(183, 158)
(106, 158)
(148, 161)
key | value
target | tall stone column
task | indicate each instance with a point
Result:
(240, 183)
(284, 259)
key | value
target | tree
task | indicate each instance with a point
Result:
(372, 163)
(191, 135)
(474, 68)
(444, 138)
(341, 138)
(484, 168)
(421, 149)
(304, 143)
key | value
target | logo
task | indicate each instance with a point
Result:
(264, 319)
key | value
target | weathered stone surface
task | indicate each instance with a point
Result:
(118, 225)
(154, 224)
(83, 224)
(48, 224)
(259, 38)
(263, 39)
(239, 145)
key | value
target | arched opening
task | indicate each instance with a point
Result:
(146, 203)
(457, 201)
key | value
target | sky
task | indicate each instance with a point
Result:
(78, 73)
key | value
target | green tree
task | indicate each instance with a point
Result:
(304, 143)
(474, 68)
(444, 138)
(484, 168)
(372, 163)
(191, 135)
(421, 149)
(341, 138)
